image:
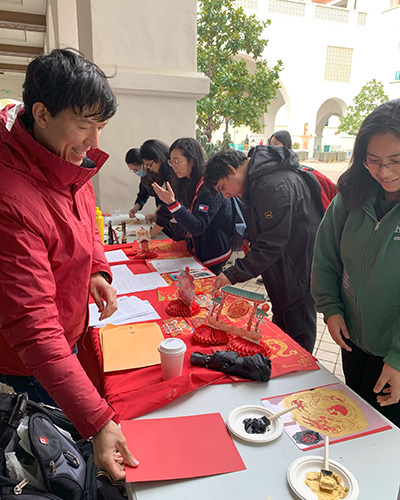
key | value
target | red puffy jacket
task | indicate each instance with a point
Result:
(49, 248)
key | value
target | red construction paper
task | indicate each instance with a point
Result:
(180, 447)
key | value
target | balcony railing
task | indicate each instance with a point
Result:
(298, 8)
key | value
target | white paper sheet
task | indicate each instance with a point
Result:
(172, 265)
(148, 281)
(116, 256)
(130, 310)
(124, 281)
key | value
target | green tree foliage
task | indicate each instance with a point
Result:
(224, 33)
(371, 95)
(208, 147)
(226, 141)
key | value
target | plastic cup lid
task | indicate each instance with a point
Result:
(172, 346)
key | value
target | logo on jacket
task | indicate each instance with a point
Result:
(203, 208)
(397, 232)
(268, 215)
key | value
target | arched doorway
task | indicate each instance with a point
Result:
(332, 107)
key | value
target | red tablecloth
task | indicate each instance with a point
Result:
(136, 392)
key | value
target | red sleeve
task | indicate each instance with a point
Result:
(30, 326)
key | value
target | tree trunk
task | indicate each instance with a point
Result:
(226, 123)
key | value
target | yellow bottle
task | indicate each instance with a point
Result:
(100, 223)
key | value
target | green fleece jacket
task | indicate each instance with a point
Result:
(356, 273)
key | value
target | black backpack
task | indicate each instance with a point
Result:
(43, 462)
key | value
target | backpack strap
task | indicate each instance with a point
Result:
(20, 402)
(314, 186)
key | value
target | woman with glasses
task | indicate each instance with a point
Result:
(154, 157)
(207, 219)
(356, 271)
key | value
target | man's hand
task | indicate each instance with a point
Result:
(111, 451)
(134, 210)
(389, 376)
(150, 218)
(156, 229)
(165, 195)
(220, 281)
(104, 295)
(338, 329)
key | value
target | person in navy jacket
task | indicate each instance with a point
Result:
(207, 219)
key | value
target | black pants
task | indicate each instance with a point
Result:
(361, 371)
(300, 323)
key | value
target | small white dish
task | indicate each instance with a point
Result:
(236, 426)
(297, 470)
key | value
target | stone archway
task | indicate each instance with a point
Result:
(268, 119)
(333, 106)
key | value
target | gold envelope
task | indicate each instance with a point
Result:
(130, 346)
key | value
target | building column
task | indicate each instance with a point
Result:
(150, 49)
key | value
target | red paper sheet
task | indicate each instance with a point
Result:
(180, 447)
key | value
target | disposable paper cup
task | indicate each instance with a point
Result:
(172, 352)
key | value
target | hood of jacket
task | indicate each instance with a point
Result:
(267, 159)
(19, 150)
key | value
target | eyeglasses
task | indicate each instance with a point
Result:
(375, 166)
(149, 165)
(175, 163)
(137, 168)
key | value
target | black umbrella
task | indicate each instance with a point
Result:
(256, 367)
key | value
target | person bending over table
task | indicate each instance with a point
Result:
(282, 218)
(207, 219)
(51, 255)
(135, 165)
(356, 272)
(154, 154)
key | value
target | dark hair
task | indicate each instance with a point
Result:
(185, 188)
(356, 185)
(65, 79)
(282, 136)
(155, 150)
(218, 166)
(133, 157)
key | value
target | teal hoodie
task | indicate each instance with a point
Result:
(356, 273)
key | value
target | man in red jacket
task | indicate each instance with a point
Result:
(51, 255)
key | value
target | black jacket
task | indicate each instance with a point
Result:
(209, 223)
(282, 219)
(146, 190)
